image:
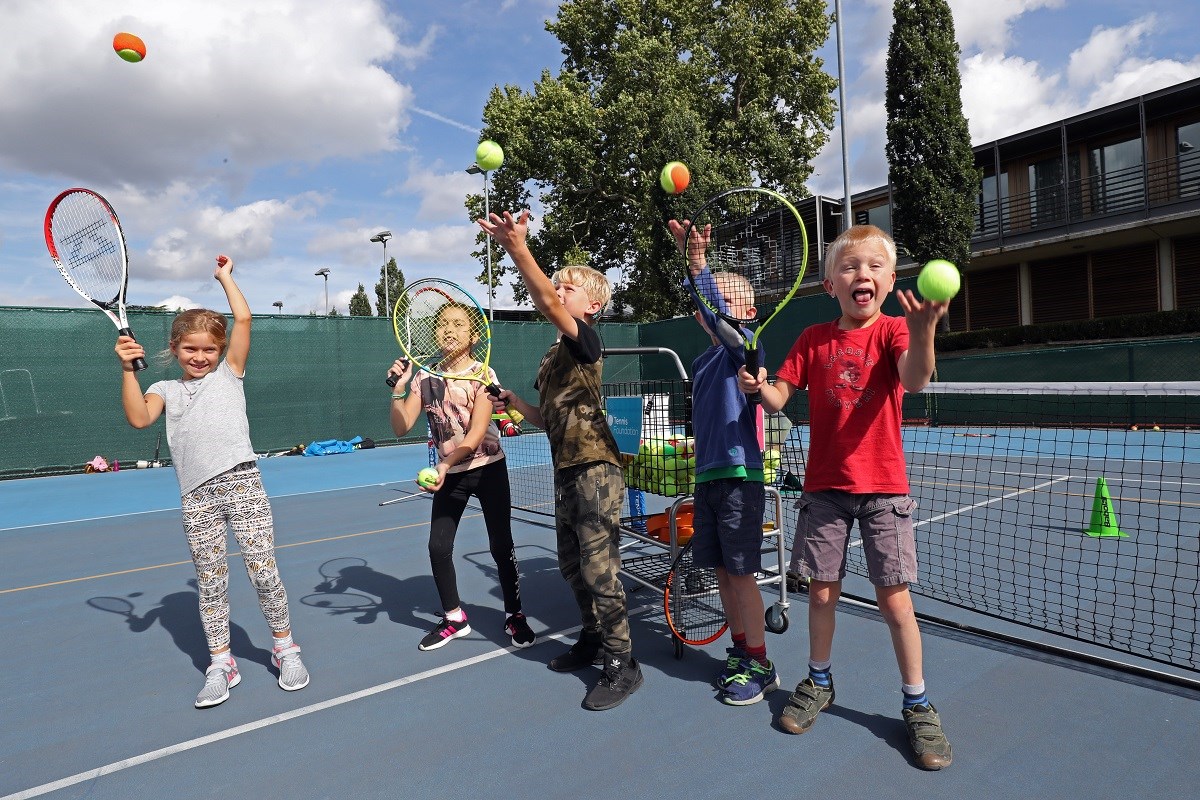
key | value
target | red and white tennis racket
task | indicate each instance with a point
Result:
(85, 240)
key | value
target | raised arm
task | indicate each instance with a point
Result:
(510, 233)
(239, 338)
(916, 364)
(141, 410)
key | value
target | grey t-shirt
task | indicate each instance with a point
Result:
(207, 429)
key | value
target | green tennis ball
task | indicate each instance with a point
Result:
(489, 155)
(427, 477)
(939, 280)
(674, 177)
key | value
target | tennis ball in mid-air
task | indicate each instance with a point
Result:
(489, 155)
(939, 280)
(674, 177)
(427, 477)
(129, 47)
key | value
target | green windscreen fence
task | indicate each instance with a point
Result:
(308, 379)
(313, 378)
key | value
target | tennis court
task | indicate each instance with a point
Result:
(99, 701)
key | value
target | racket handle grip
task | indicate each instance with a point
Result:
(752, 366)
(516, 416)
(392, 378)
(139, 363)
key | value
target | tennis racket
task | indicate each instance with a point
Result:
(757, 235)
(85, 240)
(691, 601)
(443, 330)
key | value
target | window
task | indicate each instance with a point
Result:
(1187, 145)
(879, 216)
(1047, 192)
(991, 212)
(1116, 177)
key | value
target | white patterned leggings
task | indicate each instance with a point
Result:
(235, 498)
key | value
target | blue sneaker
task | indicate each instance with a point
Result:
(750, 684)
(733, 665)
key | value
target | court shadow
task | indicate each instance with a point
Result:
(888, 729)
(179, 615)
(357, 590)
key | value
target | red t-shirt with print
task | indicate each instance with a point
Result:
(854, 399)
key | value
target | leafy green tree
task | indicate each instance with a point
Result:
(360, 306)
(395, 287)
(933, 176)
(732, 89)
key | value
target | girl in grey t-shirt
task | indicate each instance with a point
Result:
(209, 438)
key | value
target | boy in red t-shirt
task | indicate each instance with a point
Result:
(856, 370)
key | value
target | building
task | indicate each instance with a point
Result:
(1097, 215)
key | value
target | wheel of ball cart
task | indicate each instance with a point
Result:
(777, 619)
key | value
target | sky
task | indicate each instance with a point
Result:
(286, 133)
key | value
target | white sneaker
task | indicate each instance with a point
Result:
(219, 678)
(292, 674)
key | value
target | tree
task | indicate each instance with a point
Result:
(360, 306)
(732, 89)
(395, 287)
(933, 176)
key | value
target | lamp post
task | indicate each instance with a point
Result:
(475, 169)
(382, 237)
(279, 305)
(324, 273)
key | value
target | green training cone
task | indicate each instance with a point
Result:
(1104, 519)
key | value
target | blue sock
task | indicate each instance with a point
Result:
(821, 677)
(914, 695)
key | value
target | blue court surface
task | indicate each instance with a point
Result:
(105, 654)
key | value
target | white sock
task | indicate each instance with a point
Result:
(458, 615)
(282, 642)
(222, 658)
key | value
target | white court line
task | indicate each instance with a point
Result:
(191, 744)
(965, 509)
(176, 508)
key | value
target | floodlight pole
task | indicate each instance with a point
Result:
(279, 305)
(475, 169)
(847, 212)
(324, 273)
(382, 237)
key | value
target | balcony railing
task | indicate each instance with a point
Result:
(1171, 180)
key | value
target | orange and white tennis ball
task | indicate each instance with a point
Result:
(129, 47)
(427, 477)
(939, 280)
(674, 177)
(489, 155)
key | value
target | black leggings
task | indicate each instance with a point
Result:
(490, 484)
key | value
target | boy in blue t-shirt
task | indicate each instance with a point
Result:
(730, 496)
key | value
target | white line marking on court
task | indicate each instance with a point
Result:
(191, 744)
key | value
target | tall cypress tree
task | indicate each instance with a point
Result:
(934, 180)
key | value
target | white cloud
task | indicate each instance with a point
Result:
(221, 80)
(987, 26)
(1106, 50)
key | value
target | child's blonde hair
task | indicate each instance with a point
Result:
(734, 288)
(590, 280)
(196, 320)
(854, 236)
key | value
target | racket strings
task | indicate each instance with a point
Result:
(89, 247)
(759, 245)
(442, 329)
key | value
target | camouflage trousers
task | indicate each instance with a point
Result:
(235, 499)
(587, 514)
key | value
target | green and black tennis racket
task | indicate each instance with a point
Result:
(443, 330)
(750, 246)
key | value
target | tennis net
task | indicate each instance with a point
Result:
(1067, 508)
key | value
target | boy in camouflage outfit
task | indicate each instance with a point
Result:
(588, 486)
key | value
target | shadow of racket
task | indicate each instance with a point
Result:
(332, 570)
(114, 605)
